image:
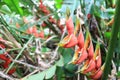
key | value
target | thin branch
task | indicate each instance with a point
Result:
(5, 76)
(48, 40)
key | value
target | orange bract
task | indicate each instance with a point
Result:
(89, 65)
(70, 26)
(68, 41)
(80, 40)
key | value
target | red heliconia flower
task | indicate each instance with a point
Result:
(43, 24)
(97, 56)
(41, 34)
(90, 51)
(96, 74)
(3, 57)
(52, 20)
(11, 71)
(32, 30)
(82, 56)
(43, 8)
(76, 56)
(98, 61)
(68, 41)
(88, 66)
(70, 26)
(81, 40)
(87, 40)
(7, 62)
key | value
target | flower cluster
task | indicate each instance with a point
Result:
(92, 64)
(6, 60)
(33, 31)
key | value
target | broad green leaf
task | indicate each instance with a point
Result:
(14, 6)
(71, 68)
(60, 63)
(50, 72)
(60, 73)
(5, 9)
(67, 55)
(38, 76)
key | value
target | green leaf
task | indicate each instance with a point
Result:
(60, 73)
(14, 6)
(71, 68)
(45, 49)
(58, 3)
(47, 74)
(60, 63)
(38, 76)
(5, 9)
(107, 35)
(67, 55)
(50, 72)
(118, 74)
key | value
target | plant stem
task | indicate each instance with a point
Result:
(112, 42)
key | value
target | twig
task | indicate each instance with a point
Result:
(48, 40)
(5, 76)
(31, 74)
(26, 64)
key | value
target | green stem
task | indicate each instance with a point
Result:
(113, 40)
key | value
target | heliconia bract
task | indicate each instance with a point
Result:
(88, 66)
(97, 56)
(90, 50)
(81, 40)
(83, 55)
(70, 26)
(68, 41)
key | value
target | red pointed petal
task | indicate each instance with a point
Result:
(41, 34)
(3, 57)
(73, 41)
(81, 40)
(97, 56)
(97, 75)
(83, 56)
(70, 25)
(90, 66)
(11, 71)
(98, 62)
(90, 51)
